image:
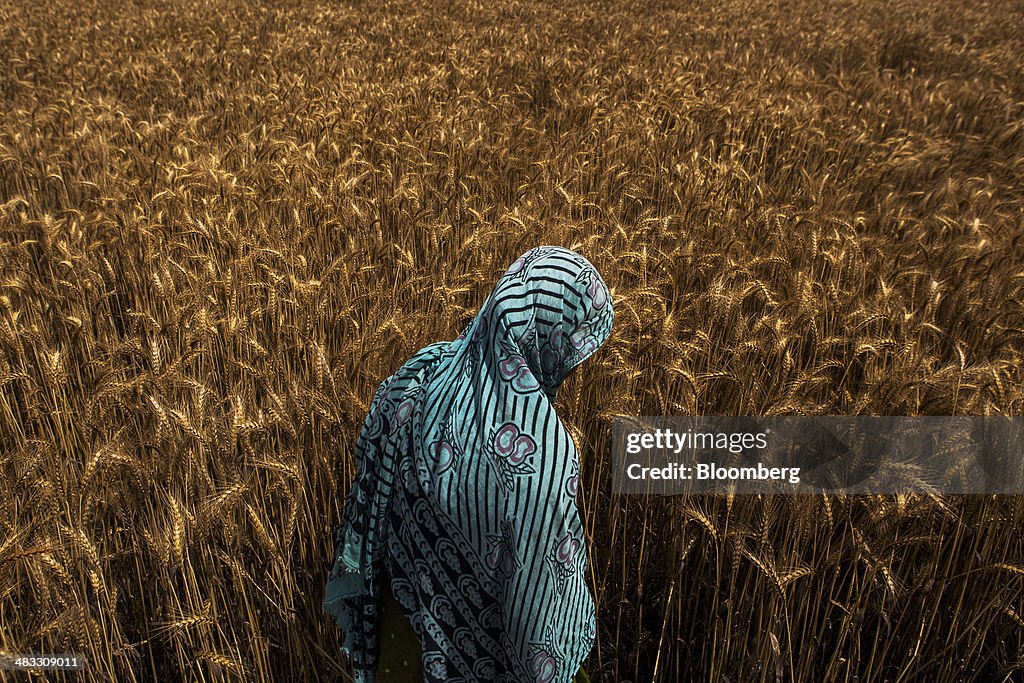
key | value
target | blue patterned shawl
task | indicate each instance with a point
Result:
(466, 487)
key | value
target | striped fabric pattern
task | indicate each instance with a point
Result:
(466, 487)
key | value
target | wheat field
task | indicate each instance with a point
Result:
(222, 223)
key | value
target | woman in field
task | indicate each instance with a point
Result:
(464, 504)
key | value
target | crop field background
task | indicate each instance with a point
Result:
(222, 223)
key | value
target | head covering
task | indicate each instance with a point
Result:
(466, 488)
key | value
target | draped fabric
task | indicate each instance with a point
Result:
(466, 486)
